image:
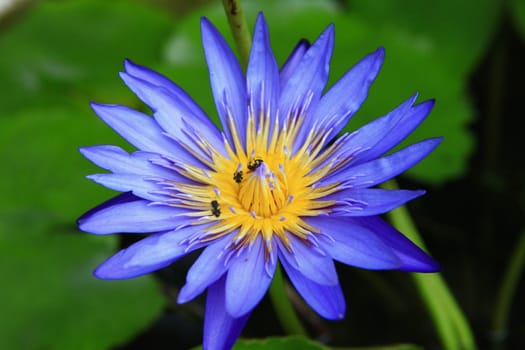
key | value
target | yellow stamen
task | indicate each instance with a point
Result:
(274, 192)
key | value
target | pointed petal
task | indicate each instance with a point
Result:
(327, 301)
(313, 263)
(227, 80)
(136, 216)
(383, 134)
(220, 329)
(149, 254)
(353, 244)
(175, 112)
(139, 185)
(340, 103)
(382, 169)
(413, 258)
(208, 268)
(262, 74)
(304, 87)
(160, 81)
(248, 279)
(137, 128)
(293, 61)
(116, 160)
(369, 201)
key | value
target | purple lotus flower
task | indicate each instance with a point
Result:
(276, 184)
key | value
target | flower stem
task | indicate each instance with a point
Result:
(507, 292)
(283, 307)
(451, 323)
(239, 29)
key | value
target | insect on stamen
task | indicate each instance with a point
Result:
(238, 176)
(254, 164)
(215, 208)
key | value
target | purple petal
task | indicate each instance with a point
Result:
(382, 134)
(227, 80)
(353, 244)
(160, 81)
(340, 103)
(149, 254)
(139, 185)
(119, 199)
(382, 169)
(131, 216)
(220, 329)
(248, 279)
(413, 258)
(313, 263)
(262, 74)
(369, 201)
(327, 301)
(137, 128)
(116, 160)
(208, 268)
(293, 61)
(175, 112)
(304, 87)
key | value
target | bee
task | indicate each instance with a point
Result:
(254, 164)
(237, 176)
(215, 208)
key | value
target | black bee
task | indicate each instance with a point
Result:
(215, 208)
(254, 164)
(237, 176)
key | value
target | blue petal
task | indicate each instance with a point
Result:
(369, 201)
(178, 94)
(382, 134)
(327, 301)
(175, 112)
(382, 169)
(340, 103)
(304, 87)
(227, 81)
(220, 329)
(293, 61)
(137, 128)
(139, 185)
(313, 263)
(262, 75)
(116, 160)
(132, 216)
(248, 279)
(353, 244)
(149, 254)
(208, 268)
(413, 258)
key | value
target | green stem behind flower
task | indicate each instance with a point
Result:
(283, 307)
(452, 325)
(506, 293)
(239, 29)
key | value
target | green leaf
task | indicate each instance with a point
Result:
(74, 50)
(43, 167)
(288, 343)
(301, 343)
(54, 301)
(517, 11)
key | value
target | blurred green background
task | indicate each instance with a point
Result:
(57, 56)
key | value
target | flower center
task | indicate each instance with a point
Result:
(263, 191)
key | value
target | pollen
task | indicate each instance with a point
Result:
(272, 189)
